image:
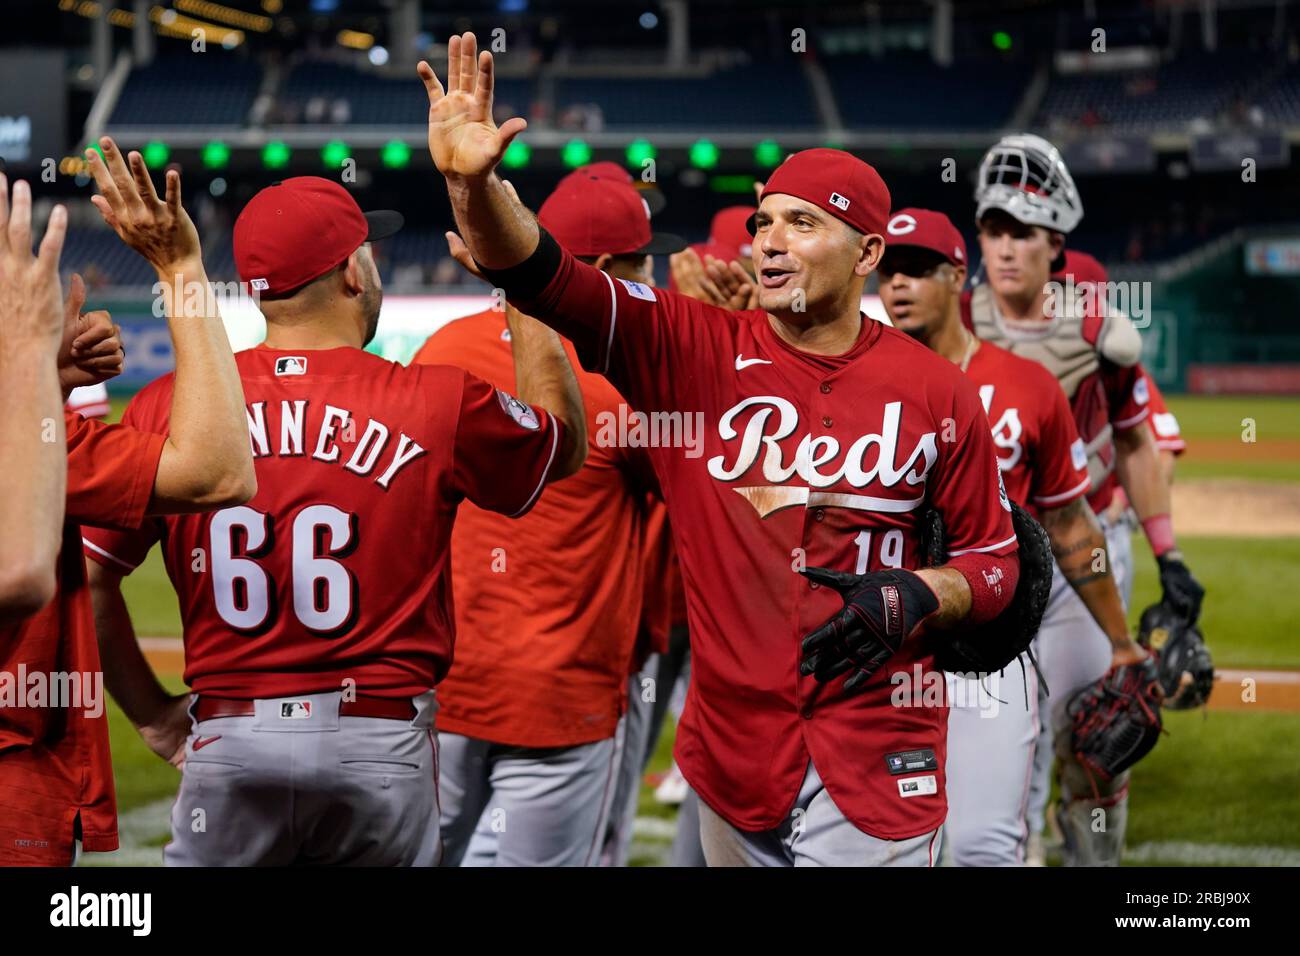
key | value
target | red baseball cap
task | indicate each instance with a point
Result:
(729, 235)
(1083, 267)
(605, 169)
(296, 230)
(591, 216)
(926, 229)
(837, 182)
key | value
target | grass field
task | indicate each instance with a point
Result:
(1219, 788)
(1215, 426)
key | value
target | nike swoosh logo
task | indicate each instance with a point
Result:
(201, 742)
(744, 363)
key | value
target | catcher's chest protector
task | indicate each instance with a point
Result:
(1071, 347)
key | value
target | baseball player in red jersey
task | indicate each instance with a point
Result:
(56, 781)
(994, 727)
(1026, 203)
(532, 716)
(318, 618)
(821, 445)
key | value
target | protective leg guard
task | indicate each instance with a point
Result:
(1092, 814)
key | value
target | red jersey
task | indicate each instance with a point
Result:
(547, 605)
(1039, 450)
(338, 569)
(1104, 396)
(54, 757)
(806, 460)
(1169, 436)
(1120, 397)
(662, 582)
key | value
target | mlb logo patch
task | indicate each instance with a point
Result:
(259, 285)
(291, 365)
(1141, 391)
(295, 709)
(839, 202)
(895, 762)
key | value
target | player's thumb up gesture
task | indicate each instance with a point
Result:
(464, 141)
(158, 229)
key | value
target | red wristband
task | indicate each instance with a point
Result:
(1160, 533)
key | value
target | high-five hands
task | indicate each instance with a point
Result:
(31, 299)
(159, 229)
(464, 140)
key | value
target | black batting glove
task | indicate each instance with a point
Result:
(881, 610)
(1181, 592)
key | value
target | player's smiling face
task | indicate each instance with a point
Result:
(1017, 257)
(917, 288)
(804, 258)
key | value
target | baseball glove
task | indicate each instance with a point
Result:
(1183, 662)
(881, 610)
(991, 646)
(1116, 721)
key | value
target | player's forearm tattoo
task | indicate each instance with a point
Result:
(1077, 543)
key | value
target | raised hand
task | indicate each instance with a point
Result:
(464, 141)
(31, 299)
(159, 229)
(91, 352)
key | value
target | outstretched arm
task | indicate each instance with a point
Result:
(32, 442)
(466, 146)
(207, 462)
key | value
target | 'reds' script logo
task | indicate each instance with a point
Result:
(819, 460)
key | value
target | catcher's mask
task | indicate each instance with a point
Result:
(1025, 177)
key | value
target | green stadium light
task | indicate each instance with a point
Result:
(155, 154)
(576, 153)
(1002, 40)
(741, 184)
(395, 154)
(638, 151)
(704, 155)
(517, 156)
(216, 155)
(767, 154)
(275, 155)
(334, 153)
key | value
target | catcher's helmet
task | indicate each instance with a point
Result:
(1025, 177)
(1179, 649)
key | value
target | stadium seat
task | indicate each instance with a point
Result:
(215, 90)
